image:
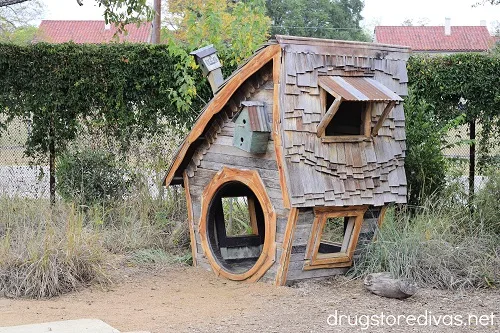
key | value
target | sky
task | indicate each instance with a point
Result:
(376, 12)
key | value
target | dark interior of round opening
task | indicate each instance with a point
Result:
(235, 227)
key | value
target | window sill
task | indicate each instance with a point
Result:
(308, 265)
(346, 138)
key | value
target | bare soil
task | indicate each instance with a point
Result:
(186, 299)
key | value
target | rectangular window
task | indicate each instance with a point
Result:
(347, 104)
(348, 120)
(239, 216)
(334, 236)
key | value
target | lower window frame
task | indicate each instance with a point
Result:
(313, 259)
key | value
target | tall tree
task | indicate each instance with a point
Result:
(235, 28)
(16, 21)
(334, 19)
(123, 12)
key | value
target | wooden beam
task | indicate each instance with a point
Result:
(253, 216)
(287, 247)
(381, 216)
(384, 115)
(345, 138)
(367, 120)
(328, 116)
(276, 131)
(218, 102)
(190, 218)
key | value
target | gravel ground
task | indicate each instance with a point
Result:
(185, 299)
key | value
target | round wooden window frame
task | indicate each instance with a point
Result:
(252, 180)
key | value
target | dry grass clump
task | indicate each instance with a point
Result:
(46, 252)
(441, 245)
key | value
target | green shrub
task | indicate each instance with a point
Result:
(88, 177)
(425, 164)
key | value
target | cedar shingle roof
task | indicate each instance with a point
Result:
(422, 38)
(90, 32)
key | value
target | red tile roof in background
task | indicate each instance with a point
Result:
(422, 38)
(90, 32)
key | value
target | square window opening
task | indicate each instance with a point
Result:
(348, 120)
(336, 235)
(239, 216)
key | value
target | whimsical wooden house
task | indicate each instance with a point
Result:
(302, 148)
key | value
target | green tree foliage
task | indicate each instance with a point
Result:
(130, 90)
(16, 22)
(461, 84)
(424, 163)
(334, 19)
(235, 29)
(122, 12)
(91, 177)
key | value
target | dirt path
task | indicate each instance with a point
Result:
(192, 300)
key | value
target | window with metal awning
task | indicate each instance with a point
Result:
(347, 103)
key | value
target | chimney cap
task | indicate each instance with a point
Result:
(447, 26)
(207, 59)
(204, 52)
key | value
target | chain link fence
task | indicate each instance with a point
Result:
(457, 153)
(26, 177)
(22, 176)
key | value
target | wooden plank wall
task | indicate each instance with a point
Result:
(217, 151)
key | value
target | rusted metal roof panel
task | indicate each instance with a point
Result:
(259, 121)
(358, 88)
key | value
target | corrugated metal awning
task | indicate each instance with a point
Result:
(355, 88)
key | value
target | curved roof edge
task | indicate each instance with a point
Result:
(232, 83)
(283, 39)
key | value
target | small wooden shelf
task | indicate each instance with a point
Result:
(346, 138)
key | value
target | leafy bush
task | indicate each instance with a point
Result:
(88, 177)
(439, 246)
(425, 164)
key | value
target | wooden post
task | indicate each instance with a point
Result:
(472, 162)
(52, 161)
(155, 38)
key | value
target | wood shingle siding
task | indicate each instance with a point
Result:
(346, 173)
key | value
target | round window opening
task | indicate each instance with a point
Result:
(235, 227)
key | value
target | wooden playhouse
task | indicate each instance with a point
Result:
(309, 137)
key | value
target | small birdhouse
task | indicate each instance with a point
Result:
(252, 128)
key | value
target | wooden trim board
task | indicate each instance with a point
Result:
(190, 218)
(251, 179)
(287, 247)
(276, 131)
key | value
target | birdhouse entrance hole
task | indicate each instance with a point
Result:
(235, 227)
